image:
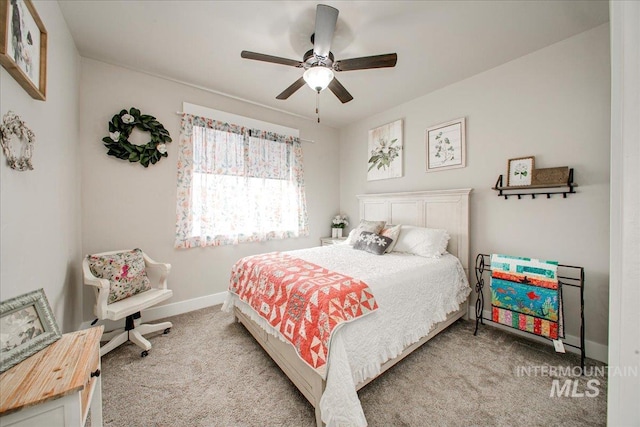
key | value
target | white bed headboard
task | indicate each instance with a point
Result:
(448, 209)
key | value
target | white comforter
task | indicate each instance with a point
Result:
(413, 293)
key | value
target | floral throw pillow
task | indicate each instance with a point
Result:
(371, 242)
(392, 232)
(125, 271)
(371, 226)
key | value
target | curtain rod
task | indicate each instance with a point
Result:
(310, 141)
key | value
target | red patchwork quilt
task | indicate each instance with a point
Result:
(304, 301)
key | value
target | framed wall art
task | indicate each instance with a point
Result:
(385, 151)
(27, 326)
(520, 171)
(446, 146)
(23, 46)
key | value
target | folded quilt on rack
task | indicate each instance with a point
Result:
(303, 301)
(526, 295)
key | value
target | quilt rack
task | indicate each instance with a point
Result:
(573, 276)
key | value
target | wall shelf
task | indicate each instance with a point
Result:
(536, 190)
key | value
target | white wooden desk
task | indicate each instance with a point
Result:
(56, 386)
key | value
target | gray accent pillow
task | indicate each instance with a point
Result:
(371, 242)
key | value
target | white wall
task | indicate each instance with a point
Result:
(553, 104)
(624, 327)
(126, 205)
(40, 209)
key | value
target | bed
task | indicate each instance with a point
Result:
(358, 354)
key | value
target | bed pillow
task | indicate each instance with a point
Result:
(426, 242)
(125, 271)
(371, 242)
(370, 226)
(392, 232)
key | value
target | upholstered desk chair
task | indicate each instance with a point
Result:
(125, 283)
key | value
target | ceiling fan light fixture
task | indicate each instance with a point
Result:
(318, 77)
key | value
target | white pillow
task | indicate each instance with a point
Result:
(426, 242)
(372, 226)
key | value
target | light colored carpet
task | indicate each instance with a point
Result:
(210, 372)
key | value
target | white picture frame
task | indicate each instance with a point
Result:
(385, 146)
(446, 146)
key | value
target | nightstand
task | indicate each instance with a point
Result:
(327, 241)
(56, 386)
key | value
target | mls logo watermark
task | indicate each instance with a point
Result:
(573, 388)
(576, 381)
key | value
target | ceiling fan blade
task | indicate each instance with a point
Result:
(326, 18)
(365, 62)
(268, 58)
(338, 90)
(291, 89)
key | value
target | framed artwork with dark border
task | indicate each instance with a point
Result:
(23, 46)
(520, 171)
(446, 146)
(27, 326)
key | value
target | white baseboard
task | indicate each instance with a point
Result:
(167, 310)
(593, 349)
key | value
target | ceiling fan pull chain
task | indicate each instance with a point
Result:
(318, 105)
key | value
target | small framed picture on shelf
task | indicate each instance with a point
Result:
(520, 171)
(27, 326)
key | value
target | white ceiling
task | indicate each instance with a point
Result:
(437, 42)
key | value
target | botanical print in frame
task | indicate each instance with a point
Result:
(446, 146)
(520, 171)
(23, 46)
(385, 152)
(27, 326)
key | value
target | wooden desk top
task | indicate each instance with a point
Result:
(62, 368)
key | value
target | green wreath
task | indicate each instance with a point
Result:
(120, 128)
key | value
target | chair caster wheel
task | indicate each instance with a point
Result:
(144, 353)
(166, 331)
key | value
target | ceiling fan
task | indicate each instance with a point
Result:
(319, 63)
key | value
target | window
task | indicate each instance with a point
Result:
(237, 185)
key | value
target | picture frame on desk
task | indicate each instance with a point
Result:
(28, 325)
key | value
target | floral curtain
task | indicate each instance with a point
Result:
(237, 184)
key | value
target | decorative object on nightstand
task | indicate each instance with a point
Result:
(123, 290)
(328, 241)
(339, 222)
(57, 386)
